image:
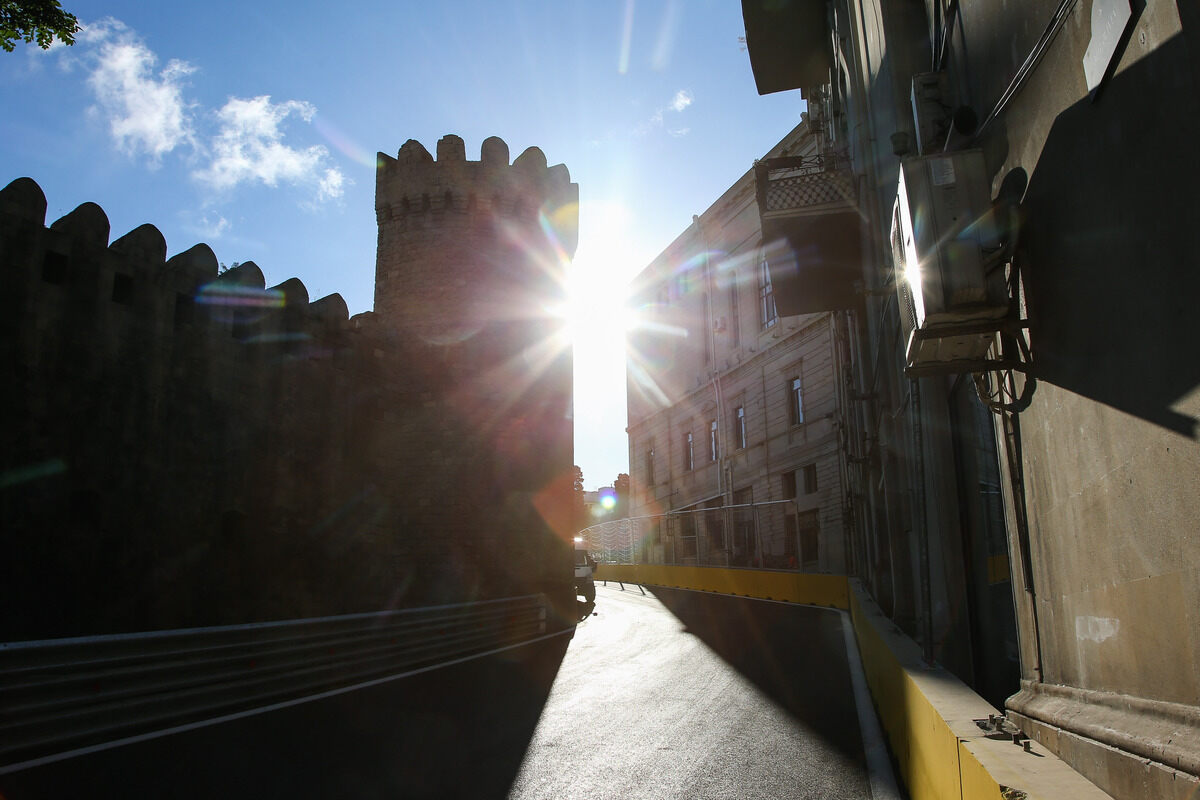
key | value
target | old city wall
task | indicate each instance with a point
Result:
(184, 446)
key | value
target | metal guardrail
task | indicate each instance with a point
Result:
(63, 695)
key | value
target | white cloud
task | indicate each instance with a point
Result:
(331, 185)
(146, 112)
(249, 148)
(682, 99)
(210, 228)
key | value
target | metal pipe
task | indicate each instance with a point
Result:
(920, 522)
(1012, 449)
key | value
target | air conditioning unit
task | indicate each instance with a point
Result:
(931, 111)
(953, 297)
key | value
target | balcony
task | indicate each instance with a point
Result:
(789, 43)
(811, 228)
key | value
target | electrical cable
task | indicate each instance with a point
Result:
(1031, 62)
(939, 58)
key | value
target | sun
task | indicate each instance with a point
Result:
(596, 312)
(597, 285)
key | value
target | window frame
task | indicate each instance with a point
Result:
(796, 400)
(809, 478)
(768, 314)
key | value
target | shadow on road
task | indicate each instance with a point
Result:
(457, 731)
(795, 655)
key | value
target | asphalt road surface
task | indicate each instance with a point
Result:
(672, 694)
(680, 694)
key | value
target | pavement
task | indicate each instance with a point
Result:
(668, 694)
(681, 694)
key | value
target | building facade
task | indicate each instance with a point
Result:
(731, 404)
(1075, 124)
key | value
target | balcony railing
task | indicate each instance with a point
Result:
(805, 185)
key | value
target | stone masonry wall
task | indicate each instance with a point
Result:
(182, 447)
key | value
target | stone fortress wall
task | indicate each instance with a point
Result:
(183, 446)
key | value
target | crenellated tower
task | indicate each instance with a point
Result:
(470, 267)
(464, 245)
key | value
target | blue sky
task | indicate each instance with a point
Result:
(253, 127)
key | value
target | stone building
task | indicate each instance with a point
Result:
(734, 404)
(186, 447)
(1064, 133)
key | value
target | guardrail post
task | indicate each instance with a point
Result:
(758, 537)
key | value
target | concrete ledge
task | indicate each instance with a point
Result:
(792, 587)
(1098, 739)
(931, 720)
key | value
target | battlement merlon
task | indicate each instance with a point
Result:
(415, 183)
(72, 258)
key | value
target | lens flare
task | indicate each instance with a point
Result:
(343, 143)
(626, 38)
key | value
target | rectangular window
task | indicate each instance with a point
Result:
(650, 463)
(739, 426)
(689, 452)
(810, 479)
(809, 525)
(766, 295)
(712, 440)
(714, 525)
(683, 284)
(788, 484)
(796, 401)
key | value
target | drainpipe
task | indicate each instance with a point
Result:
(762, 372)
(1010, 425)
(920, 522)
(839, 399)
(709, 286)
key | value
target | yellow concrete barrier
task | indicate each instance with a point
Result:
(809, 589)
(927, 714)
